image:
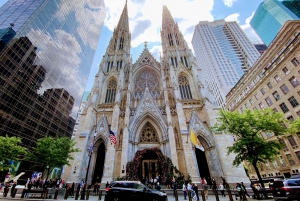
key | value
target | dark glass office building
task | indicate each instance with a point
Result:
(271, 15)
(47, 50)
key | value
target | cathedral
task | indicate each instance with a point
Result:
(150, 106)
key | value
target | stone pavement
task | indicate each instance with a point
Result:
(95, 198)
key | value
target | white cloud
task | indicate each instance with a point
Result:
(229, 3)
(254, 38)
(59, 55)
(189, 13)
(155, 51)
(233, 17)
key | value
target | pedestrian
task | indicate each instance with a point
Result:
(158, 187)
(107, 184)
(239, 191)
(29, 186)
(214, 185)
(221, 188)
(246, 193)
(72, 190)
(13, 189)
(205, 187)
(168, 181)
(195, 189)
(184, 189)
(189, 189)
(174, 188)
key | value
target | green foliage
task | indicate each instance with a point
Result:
(247, 127)
(295, 126)
(52, 152)
(10, 149)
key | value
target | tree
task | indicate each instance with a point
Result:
(295, 126)
(52, 152)
(10, 151)
(248, 127)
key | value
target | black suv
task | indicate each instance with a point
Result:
(286, 190)
(133, 191)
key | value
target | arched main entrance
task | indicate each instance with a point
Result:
(149, 167)
(100, 159)
(202, 164)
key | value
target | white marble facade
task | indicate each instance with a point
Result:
(148, 104)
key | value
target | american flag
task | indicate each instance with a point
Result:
(113, 138)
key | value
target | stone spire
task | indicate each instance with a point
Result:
(123, 22)
(167, 19)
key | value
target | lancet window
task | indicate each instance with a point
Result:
(184, 61)
(121, 43)
(115, 45)
(184, 87)
(119, 65)
(109, 66)
(176, 38)
(111, 91)
(170, 39)
(148, 134)
(147, 78)
(174, 61)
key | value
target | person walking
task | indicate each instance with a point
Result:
(245, 191)
(205, 187)
(174, 188)
(29, 186)
(214, 185)
(72, 190)
(195, 189)
(221, 188)
(184, 189)
(189, 189)
(158, 187)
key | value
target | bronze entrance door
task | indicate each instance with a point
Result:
(149, 168)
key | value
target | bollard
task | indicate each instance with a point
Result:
(176, 195)
(46, 193)
(87, 194)
(100, 195)
(77, 194)
(23, 193)
(55, 194)
(229, 195)
(66, 195)
(202, 194)
(217, 195)
(14, 193)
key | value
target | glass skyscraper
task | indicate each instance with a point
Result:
(44, 68)
(271, 15)
(224, 53)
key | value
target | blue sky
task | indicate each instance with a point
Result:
(145, 22)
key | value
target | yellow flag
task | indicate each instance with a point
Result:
(195, 140)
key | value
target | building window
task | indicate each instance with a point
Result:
(269, 85)
(295, 62)
(277, 78)
(246, 105)
(257, 96)
(111, 91)
(262, 106)
(286, 70)
(293, 101)
(290, 118)
(121, 43)
(276, 95)
(275, 164)
(184, 87)
(290, 159)
(269, 101)
(251, 101)
(281, 161)
(284, 89)
(291, 140)
(284, 107)
(268, 134)
(294, 81)
(170, 39)
(262, 91)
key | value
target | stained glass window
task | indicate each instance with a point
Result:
(148, 134)
(184, 87)
(111, 91)
(147, 78)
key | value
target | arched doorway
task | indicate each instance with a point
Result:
(149, 167)
(98, 171)
(202, 165)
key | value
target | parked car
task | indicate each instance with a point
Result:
(286, 190)
(133, 191)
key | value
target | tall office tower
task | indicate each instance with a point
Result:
(45, 66)
(224, 53)
(261, 48)
(271, 15)
(149, 106)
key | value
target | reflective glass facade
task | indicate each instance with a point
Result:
(271, 15)
(45, 66)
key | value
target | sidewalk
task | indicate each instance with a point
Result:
(95, 198)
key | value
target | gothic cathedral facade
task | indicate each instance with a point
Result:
(150, 104)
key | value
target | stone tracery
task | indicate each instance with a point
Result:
(148, 134)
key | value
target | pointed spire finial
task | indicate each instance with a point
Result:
(145, 46)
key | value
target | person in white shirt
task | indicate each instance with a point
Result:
(189, 189)
(221, 188)
(184, 190)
